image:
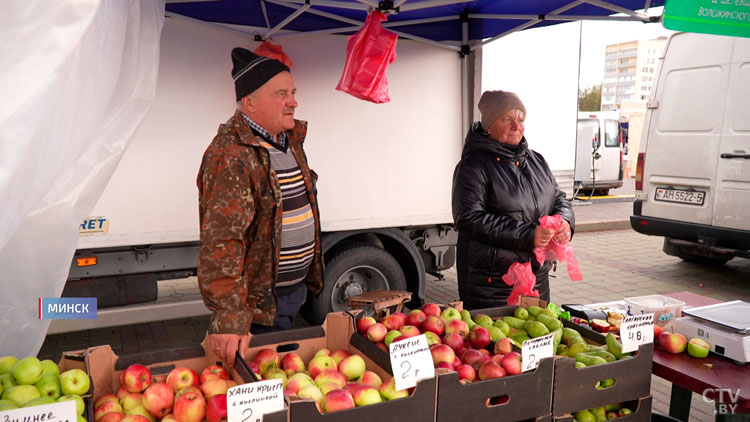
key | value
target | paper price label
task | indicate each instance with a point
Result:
(56, 412)
(534, 350)
(249, 402)
(411, 361)
(636, 330)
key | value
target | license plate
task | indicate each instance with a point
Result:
(692, 197)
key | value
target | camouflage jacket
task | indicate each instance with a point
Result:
(240, 227)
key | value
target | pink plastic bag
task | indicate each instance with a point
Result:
(368, 54)
(558, 251)
(522, 279)
(273, 51)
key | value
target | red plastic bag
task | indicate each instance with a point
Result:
(273, 51)
(368, 54)
(522, 279)
(558, 251)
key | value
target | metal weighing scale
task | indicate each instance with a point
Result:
(725, 326)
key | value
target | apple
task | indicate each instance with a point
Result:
(323, 351)
(190, 407)
(181, 377)
(135, 378)
(80, 405)
(431, 309)
(158, 399)
(454, 341)
(480, 337)
(159, 378)
(107, 407)
(298, 381)
(291, 363)
(473, 357)
(450, 314)
(330, 375)
(457, 326)
(390, 336)
(392, 322)
(329, 386)
(132, 399)
(466, 373)
(503, 346)
(49, 386)
(106, 398)
(115, 417)
(376, 333)
(351, 386)
(445, 365)
(121, 392)
(512, 363)
(319, 363)
(337, 400)
(27, 371)
(50, 367)
(382, 347)
(672, 342)
(698, 348)
(434, 324)
(364, 323)
(442, 353)
(39, 401)
(657, 331)
(352, 367)
(416, 318)
(266, 358)
(339, 355)
(370, 378)
(169, 418)
(272, 374)
(212, 372)
(432, 338)
(388, 390)
(21, 394)
(135, 418)
(216, 408)
(311, 392)
(410, 331)
(365, 395)
(140, 410)
(401, 316)
(490, 370)
(7, 363)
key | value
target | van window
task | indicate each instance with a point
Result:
(742, 100)
(593, 123)
(611, 133)
(691, 100)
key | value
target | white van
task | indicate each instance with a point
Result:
(693, 172)
(599, 152)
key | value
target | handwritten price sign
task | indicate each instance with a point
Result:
(411, 361)
(249, 402)
(57, 412)
(636, 330)
(534, 350)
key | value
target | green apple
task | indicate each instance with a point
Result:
(698, 348)
(27, 371)
(39, 401)
(80, 405)
(80, 418)
(451, 313)
(6, 364)
(7, 405)
(49, 386)
(75, 381)
(6, 380)
(21, 394)
(50, 367)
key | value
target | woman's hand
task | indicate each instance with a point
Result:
(542, 236)
(562, 234)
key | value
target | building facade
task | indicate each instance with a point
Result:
(630, 71)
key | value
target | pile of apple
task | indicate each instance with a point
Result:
(602, 413)
(677, 343)
(30, 382)
(182, 396)
(457, 341)
(335, 380)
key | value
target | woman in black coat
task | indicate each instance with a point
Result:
(500, 190)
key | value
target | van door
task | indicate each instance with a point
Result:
(610, 150)
(732, 198)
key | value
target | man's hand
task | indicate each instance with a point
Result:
(542, 236)
(562, 234)
(226, 345)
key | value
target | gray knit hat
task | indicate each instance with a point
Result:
(494, 104)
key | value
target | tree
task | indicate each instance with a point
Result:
(590, 99)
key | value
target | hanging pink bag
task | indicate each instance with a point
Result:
(558, 251)
(368, 54)
(522, 279)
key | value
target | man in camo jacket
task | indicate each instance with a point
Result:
(259, 223)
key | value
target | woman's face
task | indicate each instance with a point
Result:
(508, 128)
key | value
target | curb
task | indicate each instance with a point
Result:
(595, 226)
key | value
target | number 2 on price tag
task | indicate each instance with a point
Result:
(636, 330)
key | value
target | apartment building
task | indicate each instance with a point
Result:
(630, 71)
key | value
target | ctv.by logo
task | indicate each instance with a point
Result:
(721, 393)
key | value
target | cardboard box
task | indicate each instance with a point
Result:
(77, 360)
(105, 368)
(575, 389)
(337, 332)
(641, 412)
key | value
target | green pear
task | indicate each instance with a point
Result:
(49, 386)
(6, 380)
(27, 371)
(21, 394)
(502, 325)
(80, 405)
(6, 363)
(7, 405)
(39, 401)
(495, 333)
(484, 320)
(50, 367)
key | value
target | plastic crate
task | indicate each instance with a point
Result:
(664, 308)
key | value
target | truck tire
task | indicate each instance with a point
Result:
(351, 271)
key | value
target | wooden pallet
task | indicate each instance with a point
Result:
(380, 301)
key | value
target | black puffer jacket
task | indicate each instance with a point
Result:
(499, 194)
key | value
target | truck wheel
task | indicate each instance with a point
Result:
(352, 271)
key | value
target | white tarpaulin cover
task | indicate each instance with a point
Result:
(76, 77)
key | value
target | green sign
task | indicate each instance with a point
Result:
(721, 17)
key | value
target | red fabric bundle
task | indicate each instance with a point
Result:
(368, 54)
(522, 279)
(273, 51)
(558, 251)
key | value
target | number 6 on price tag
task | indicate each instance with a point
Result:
(636, 330)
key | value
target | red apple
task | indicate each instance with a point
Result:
(291, 363)
(503, 346)
(442, 353)
(410, 331)
(122, 391)
(364, 323)
(107, 407)
(480, 337)
(392, 322)
(490, 370)
(266, 358)
(159, 378)
(466, 372)
(446, 365)
(337, 400)
(135, 378)
(657, 331)
(498, 359)
(340, 355)
(455, 341)
(187, 389)
(351, 386)
(112, 417)
(169, 418)
(135, 418)
(213, 372)
(473, 357)
(401, 316)
(190, 407)
(352, 367)
(213, 387)
(376, 333)
(330, 375)
(298, 381)
(130, 400)
(216, 408)
(319, 363)
(370, 378)
(434, 324)
(158, 399)
(431, 309)
(181, 377)
(106, 398)
(512, 363)
(382, 347)
(457, 326)
(416, 318)
(672, 342)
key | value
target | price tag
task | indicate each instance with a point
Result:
(534, 350)
(636, 330)
(411, 361)
(249, 402)
(64, 411)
